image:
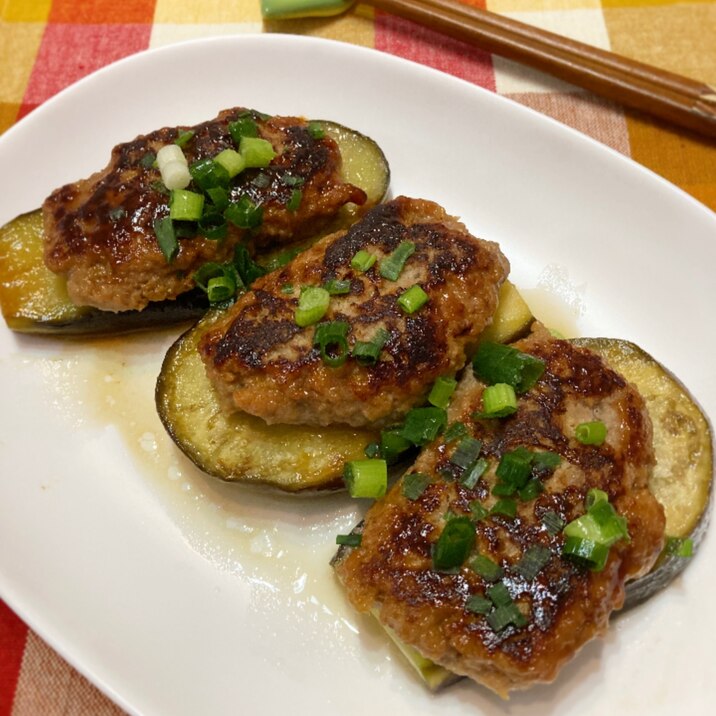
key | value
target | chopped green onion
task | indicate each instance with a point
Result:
(185, 205)
(392, 266)
(166, 238)
(220, 289)
(243, 127)
(533, 560)
(261, 180)
(545, 462)
(478, 604)
(294, 201)
(592, 433)
(211, 277)
(499, 594)
(287, 288)
(366, 478)
(363, 260)
(679, 547)
(337, 287)
(478, 511)
(413, 299)
(414, 484)
(372, 450)
(248, 269)
(213, 226)
(531, 490)
(350, 540)
(505, 507)
(290, 180)
(454, 431)
(219, 197)
(503, 489)
(442, 391)
(244, 213)
(393, 444)
(367, 352)
(589, 537)
(173, 167)
(593, 554)
(499, 363)
(147, 161)
(207, 174)
(467, 452)
(312, 305)
(498, 401)
(232, 161)
(316, 130)
(470, 478)
(256, 152)
(515, 467)
(454, 544)
(331, 339)
(489, 570)
(553, 523)
(184, 138)
(422, 425)
(506, 615)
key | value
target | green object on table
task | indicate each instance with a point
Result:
(287, 9)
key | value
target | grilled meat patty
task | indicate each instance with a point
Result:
(265, 364)
(392, 571)
(99, 231)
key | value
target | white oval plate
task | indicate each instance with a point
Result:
(178, 595)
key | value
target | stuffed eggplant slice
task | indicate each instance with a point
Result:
(107, 254)
(500, 553)
(681, 479)
(355, 384)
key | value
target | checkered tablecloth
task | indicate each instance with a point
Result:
(46, 45)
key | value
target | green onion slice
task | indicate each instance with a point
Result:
(413, 299)
(256, 152)
(349, 540)
(506, 615)
(207, 174)
(393, 444)
(363, 260)
(470, 478)
(294, 200)
(489, 570)
(366, 478)
(442, 391)
(454, 544)
(232, 161)
(422, 425)
(392, 265)
(533, 560)
(499, 363)
(337, 287)
(515, 467)
(553, 523)
(455, 431)
(220, 288)
(312, 305)
(592, 554)
(679, 547)
(243, 127)
(367, 352)
(248, 269)
(331, 338)
(499, 594)
(185, 205)
(506, 507)
(244, 213)
(498, 401)
(184, 138)
(414, 484)
(533, 489)
(166, 238)
(591, 433)
(316, 130)
(212, 225)
(478, 511)
(478, 604)
(467, 452)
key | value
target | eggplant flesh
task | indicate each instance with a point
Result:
(683, 444)
(35, 300)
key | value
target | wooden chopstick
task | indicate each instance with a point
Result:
(663, 94)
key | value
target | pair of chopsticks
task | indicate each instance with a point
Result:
(668, 96)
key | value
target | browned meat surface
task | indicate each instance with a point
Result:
(99, 231)
(565, 605)
(266, 365)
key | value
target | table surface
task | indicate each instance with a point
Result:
(46, 45)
